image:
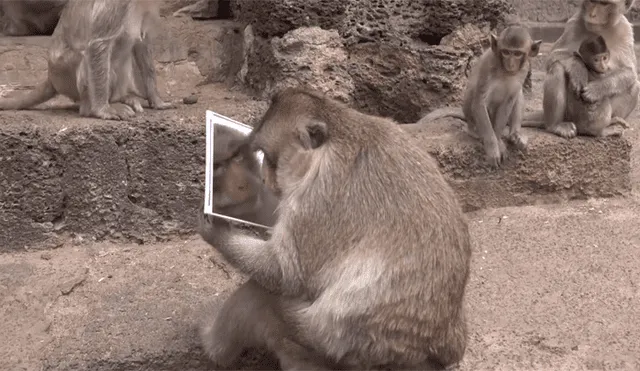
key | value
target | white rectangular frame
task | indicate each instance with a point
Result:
(212, 119)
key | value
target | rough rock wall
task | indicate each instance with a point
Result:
(386, 57)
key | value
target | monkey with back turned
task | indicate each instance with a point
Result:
(100, 54)
(368, 261)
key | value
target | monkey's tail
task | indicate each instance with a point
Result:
(533, 120)
(42, 93)
(455, 112)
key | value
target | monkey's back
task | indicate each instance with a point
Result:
(397, 252)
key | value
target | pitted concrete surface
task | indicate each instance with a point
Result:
(141, 180)
(553, 287)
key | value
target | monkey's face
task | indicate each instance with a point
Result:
(513, 48)
(512, 59)
(600, 63)
(235, 183)
(601, 12)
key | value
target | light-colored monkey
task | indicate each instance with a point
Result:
(30, 17)
(238, 190)
(620, 85)
(494, 97)
(100, 54)
(367, 265)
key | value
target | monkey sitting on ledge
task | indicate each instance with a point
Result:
(100, 54)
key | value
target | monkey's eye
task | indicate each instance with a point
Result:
(518, 53)
(505, 53)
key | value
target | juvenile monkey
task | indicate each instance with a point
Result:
(100, 54)
(494, 97)
(238, 190)
(367, 264)
(619, 86)
(30, 17)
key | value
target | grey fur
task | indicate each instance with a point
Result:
(368, 262)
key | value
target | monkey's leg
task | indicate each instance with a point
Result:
(516, 137)
(251, 318)
(599, 121)
(554, 102)
(246, 318)
(144, 60)
(97, 63)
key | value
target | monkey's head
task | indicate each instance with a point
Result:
(597, 14)
(236, 182)
(292, 135)
(595, 54)
(514, 47)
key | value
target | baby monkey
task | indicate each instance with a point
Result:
(494, 97)
(591, 62)
(238, 190)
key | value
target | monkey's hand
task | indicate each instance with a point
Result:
(591, 93)
(495, 151)
(213, 229)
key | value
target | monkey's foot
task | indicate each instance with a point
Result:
(519, 141)
(617, 120)
(563, 129)
(113, 112)
(134, 103)
(614, 130)
(161, 105)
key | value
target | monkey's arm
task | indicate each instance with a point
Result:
(618, 82)
(503, 115)
(577, 75)
(251, 255)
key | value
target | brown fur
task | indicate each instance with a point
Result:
(613, 95)
(368, 262)
(494, 98)
(30, 17)
(238, 190)
(100, 54)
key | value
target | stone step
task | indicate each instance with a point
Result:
(66, 176)
(549, 285)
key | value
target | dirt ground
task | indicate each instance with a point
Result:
(553, 288)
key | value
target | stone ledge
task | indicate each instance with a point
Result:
(143, 180)
(553, 169)
(63, 175)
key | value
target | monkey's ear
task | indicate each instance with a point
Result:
(494, 43)
(313, 134)
(535, 48)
